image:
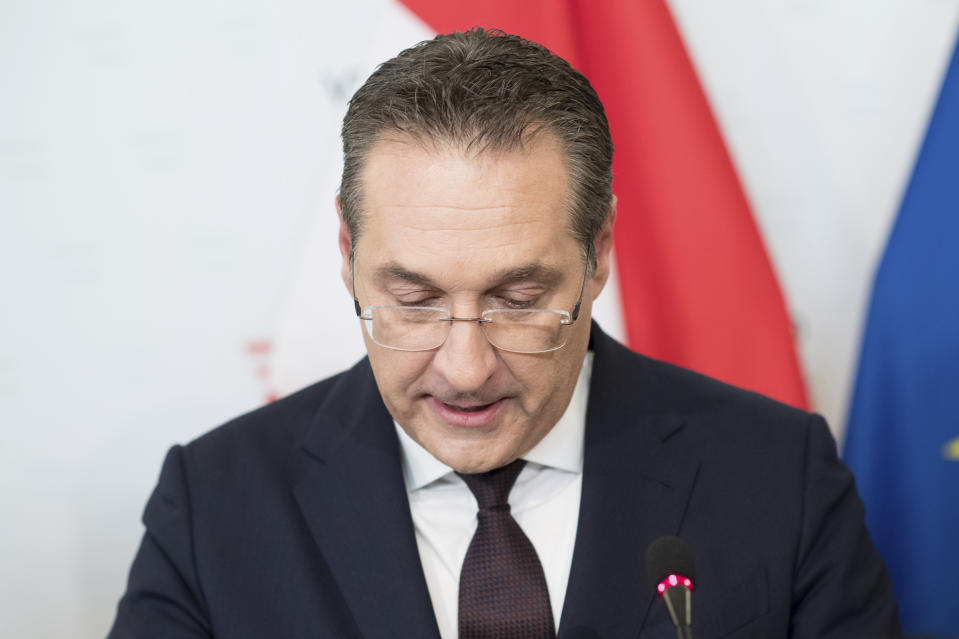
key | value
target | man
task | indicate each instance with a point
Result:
(476, 215)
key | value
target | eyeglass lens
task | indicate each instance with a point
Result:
(426, 328)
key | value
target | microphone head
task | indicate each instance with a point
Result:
(668, 555)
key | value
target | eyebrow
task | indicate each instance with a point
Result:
(542, 273)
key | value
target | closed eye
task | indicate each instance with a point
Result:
(418, 297)
(513, 301)
(426, 301)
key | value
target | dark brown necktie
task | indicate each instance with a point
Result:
(503, 591)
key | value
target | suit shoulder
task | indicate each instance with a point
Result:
(270, 430)
(714, 409)
(702, 394)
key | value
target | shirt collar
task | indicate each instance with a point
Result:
(561, 448)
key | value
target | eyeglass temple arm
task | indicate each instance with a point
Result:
(356, 302)
(582, 287)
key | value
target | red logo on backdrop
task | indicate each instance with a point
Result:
(260, 350)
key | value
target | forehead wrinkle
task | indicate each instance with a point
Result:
(522, 237)
(479, 220)
(452, 207)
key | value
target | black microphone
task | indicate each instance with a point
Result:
(670, 569)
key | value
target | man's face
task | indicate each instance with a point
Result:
(470, 233)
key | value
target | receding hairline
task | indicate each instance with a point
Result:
(438, 145)
(535, 137)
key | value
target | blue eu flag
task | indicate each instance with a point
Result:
(903, 434)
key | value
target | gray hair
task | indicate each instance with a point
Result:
(484, 91)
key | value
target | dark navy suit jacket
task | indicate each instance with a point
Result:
(293, 520)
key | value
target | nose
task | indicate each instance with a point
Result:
(466, 360)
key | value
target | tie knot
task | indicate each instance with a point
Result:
(491, 488)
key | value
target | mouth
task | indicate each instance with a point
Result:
(468, 415)
(468, 409)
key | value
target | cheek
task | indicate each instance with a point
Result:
(397, 372)
(540, 379)
(547, 383)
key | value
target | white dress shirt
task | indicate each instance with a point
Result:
(544, 501)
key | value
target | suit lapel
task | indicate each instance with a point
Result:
(353, 497)
(636, 484)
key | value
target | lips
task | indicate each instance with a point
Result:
(469, 409)
(466, 415)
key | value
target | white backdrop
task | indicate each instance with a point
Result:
(167, 254)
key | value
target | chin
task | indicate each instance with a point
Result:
(475, 457)
(473, 466)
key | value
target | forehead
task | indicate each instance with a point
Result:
(440, 206)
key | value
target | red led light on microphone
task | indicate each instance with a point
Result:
(674, 580)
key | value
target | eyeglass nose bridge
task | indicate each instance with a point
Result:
(478, 320)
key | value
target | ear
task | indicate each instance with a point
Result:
(603, 246)
(346, 245)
